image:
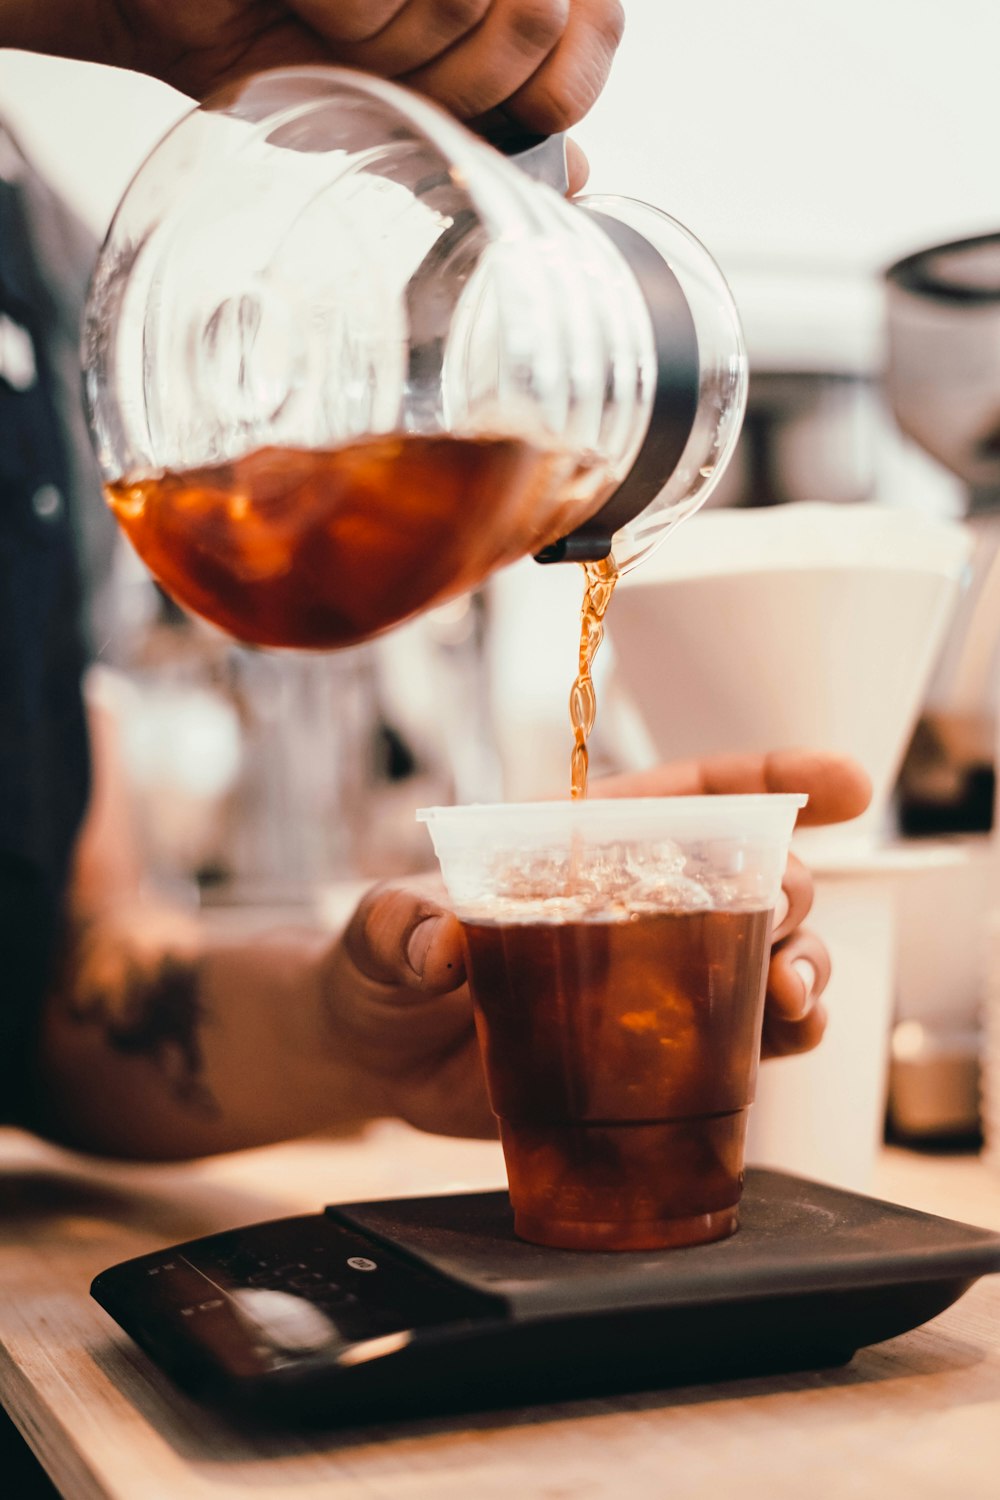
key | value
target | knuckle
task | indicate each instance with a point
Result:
(456, 17)
(372, 918)
(367, 931)
(537, 25)
(548, 110)
(567, 87)
(360, 20)
(377, 936)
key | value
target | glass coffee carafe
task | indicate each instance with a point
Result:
(343, 359)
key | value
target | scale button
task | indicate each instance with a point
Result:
(361, 1263)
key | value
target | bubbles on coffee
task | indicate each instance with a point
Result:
(603, 883)
(614, 881)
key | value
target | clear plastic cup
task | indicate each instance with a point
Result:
(617, 954)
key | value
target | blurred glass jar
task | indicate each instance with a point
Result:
(344, 359)
(252, 778)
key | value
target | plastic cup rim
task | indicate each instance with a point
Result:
(624, 807)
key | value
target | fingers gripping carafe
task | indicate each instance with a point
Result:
(343, 359)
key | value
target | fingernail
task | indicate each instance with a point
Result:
(780, 910)
(420, 941)
(807, 973)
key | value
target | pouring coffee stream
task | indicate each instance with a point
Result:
(599, 585)
(344, 359)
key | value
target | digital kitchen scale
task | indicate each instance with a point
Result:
(429, 1304)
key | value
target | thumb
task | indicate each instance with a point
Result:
(401, 938)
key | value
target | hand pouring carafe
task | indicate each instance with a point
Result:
(344, 359)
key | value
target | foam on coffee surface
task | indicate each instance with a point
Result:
(608, 883)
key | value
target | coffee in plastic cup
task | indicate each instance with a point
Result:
(617, 954)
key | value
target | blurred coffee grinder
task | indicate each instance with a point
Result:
(943, 383)
(814, 421)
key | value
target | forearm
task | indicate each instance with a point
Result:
(162, 1042)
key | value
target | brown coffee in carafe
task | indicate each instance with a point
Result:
(320, 294)
(293, 547)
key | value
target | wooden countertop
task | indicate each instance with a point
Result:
(915, 1417)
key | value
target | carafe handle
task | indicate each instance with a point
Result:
(540, 157)
(543, 158)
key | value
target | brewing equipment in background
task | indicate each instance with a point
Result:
(815, 423)
(943, 382)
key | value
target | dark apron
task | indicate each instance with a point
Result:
(44, 772)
